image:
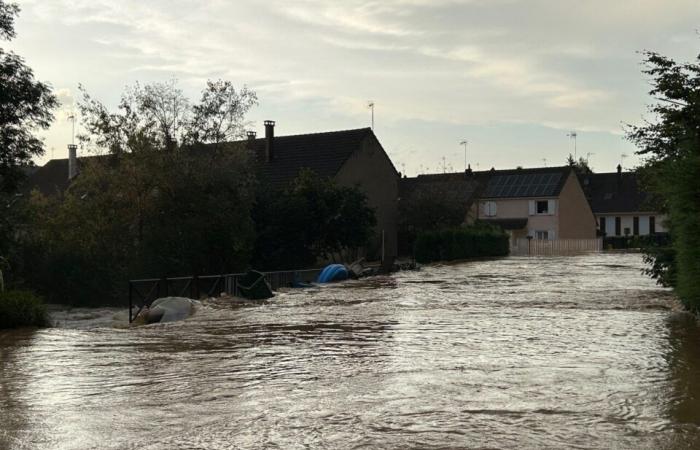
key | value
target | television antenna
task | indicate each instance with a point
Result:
(370, 105)
(622, 158)
(464, 143)
(544, 160)
(444, 167)
(72, 136)
(573, 135)
(588, 157)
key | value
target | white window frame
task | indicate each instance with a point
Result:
(542, 235)
(490, 209)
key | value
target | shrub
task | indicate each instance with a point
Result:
(22, 309)
(460, 243)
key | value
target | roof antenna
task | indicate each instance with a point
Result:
(464, 143)
(622, 158)
(370, 105)
(545, 161)
(573, 136)
(588, 158)
(72, 135)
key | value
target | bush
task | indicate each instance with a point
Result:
(460, 243)
(22, 309)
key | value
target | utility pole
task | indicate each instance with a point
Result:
(573, 136)
(464, 143)
(370, 105)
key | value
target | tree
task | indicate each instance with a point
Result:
(158, 117)
(312, 218)
(581, 166)
(157, 204)
(671, 147)
(25, 106)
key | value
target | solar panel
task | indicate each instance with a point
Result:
(523, 185)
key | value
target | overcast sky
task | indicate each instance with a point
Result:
(512, 77)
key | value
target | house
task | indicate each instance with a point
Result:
(545, 203)
(620, 205)
(352, 158)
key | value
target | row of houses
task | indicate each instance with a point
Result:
(546, 203)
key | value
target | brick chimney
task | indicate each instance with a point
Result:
(72, 161)
(269, 140)
(251, 135)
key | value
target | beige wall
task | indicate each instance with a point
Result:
(520, 208)
(372, 171)
(576, 220)
(572, 217)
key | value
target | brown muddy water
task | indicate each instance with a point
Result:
(581, 352)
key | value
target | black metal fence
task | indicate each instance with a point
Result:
(143, 292)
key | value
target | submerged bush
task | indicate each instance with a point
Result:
(22, 309)
(460, 243)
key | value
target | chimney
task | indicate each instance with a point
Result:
(619, 176)
(269, 140)
(72, 161)
(251, 135)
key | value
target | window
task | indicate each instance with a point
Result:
(652, 224)
(635, 226)
(490, 209)
(542, 207)
(618, 226)
(602, 225)
(627, 231)
(542, 235)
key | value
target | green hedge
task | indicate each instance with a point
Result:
(460, 243)
(22, 309)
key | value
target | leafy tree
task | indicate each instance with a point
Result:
(312, 218)
(671, 145)
(157, 204)
(25, 106)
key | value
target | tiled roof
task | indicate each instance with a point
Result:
(616, 193)
(323, 153)
(452, 188)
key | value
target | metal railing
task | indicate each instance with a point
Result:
(144, 291)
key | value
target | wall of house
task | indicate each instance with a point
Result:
(373, 172)
(520, 208)
(627, 221)
(576, 219)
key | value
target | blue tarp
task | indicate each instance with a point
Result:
(333, 272)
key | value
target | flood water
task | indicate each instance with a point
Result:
(578, 352)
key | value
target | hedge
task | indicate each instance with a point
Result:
(460, 243)
(22, 309)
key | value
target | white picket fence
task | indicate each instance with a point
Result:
(555, 247)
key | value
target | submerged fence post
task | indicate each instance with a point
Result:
(131, 302)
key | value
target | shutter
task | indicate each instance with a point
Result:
(532, 207)
(551, 205)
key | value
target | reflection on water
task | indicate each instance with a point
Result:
(578, 352)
